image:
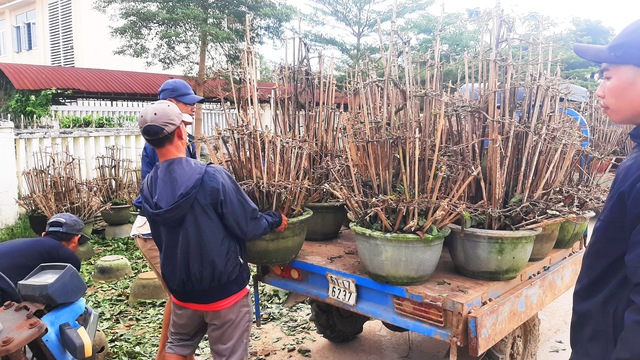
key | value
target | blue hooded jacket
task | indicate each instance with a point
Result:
(606, 301)
(201, 220)
(150, 159)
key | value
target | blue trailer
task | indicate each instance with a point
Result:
(487, 319)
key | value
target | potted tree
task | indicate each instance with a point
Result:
(401, 187)
(512, 124)
(118, 185)
(56, 186)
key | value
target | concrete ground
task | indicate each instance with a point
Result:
(378, 343)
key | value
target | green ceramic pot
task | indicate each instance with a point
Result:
(399, 259)
(116, 214)
(491, 254)
(326, 221)
(279, 248)
(572, 230)
(544, 242)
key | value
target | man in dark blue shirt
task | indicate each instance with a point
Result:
(605, 324)
(58, 244)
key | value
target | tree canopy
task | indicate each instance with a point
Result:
(199, 36)
(347, 25)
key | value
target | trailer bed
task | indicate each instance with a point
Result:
(448, 306)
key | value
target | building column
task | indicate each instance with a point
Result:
(8, 183)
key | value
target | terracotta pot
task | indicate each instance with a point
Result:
(279, 248)
(491, 254)
(326, 221)
(399, 259)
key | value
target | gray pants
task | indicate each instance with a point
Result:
(228, 330)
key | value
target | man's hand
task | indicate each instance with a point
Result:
(283, 225)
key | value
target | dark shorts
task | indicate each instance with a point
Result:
(228, 330)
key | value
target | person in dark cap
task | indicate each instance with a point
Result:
(201, 220)
(605, 323)
(58, 244)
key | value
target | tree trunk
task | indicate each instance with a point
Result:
(200, 91)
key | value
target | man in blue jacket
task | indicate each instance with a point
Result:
(180, 93)
(201, 220)
(606, 301)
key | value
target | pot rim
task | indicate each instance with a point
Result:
(442, 233)
(499, 233)
(324, 204)
(305, 215)
(574, 217)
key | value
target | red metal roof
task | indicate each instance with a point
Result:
(105, 83)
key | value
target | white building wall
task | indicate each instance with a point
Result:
(93, 45)
(8, 182)
(37, 56)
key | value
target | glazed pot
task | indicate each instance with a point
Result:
(111, 267)
(38, 223)
(572, 229)
(399, 259)
(491, 254)
(326, 221)
(279, 248)
(544, 242)
(116, 214)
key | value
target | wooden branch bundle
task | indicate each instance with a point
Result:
(55, 185)
(118, 182)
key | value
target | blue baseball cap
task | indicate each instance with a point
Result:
(69, 224)
(624, 49)
(180, 90)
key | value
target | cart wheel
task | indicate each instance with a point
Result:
(336, 324)
(520, 344)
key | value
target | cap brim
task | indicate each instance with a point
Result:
(187, 119)
(596, 53)
(190, 99)
(83, 239)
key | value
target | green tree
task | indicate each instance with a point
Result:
(192, 33)
(580, 71)
(32, 105)
(353, 24)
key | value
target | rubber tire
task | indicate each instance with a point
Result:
(394, 328)
(336, 324)
(520, 344)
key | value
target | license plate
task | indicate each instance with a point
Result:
(342, 289)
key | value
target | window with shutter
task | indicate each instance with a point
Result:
(24, 31)
(61, 33)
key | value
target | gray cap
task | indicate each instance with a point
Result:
(159, 119)
(68, 224)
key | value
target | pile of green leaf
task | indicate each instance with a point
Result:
(133, 329)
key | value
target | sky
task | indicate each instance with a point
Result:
(613, 13)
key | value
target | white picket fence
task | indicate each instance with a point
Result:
(85, 145)
(213, 115)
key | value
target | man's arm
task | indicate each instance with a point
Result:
(67, 256)
(239, 214)
(149, 160)
(627, 345)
